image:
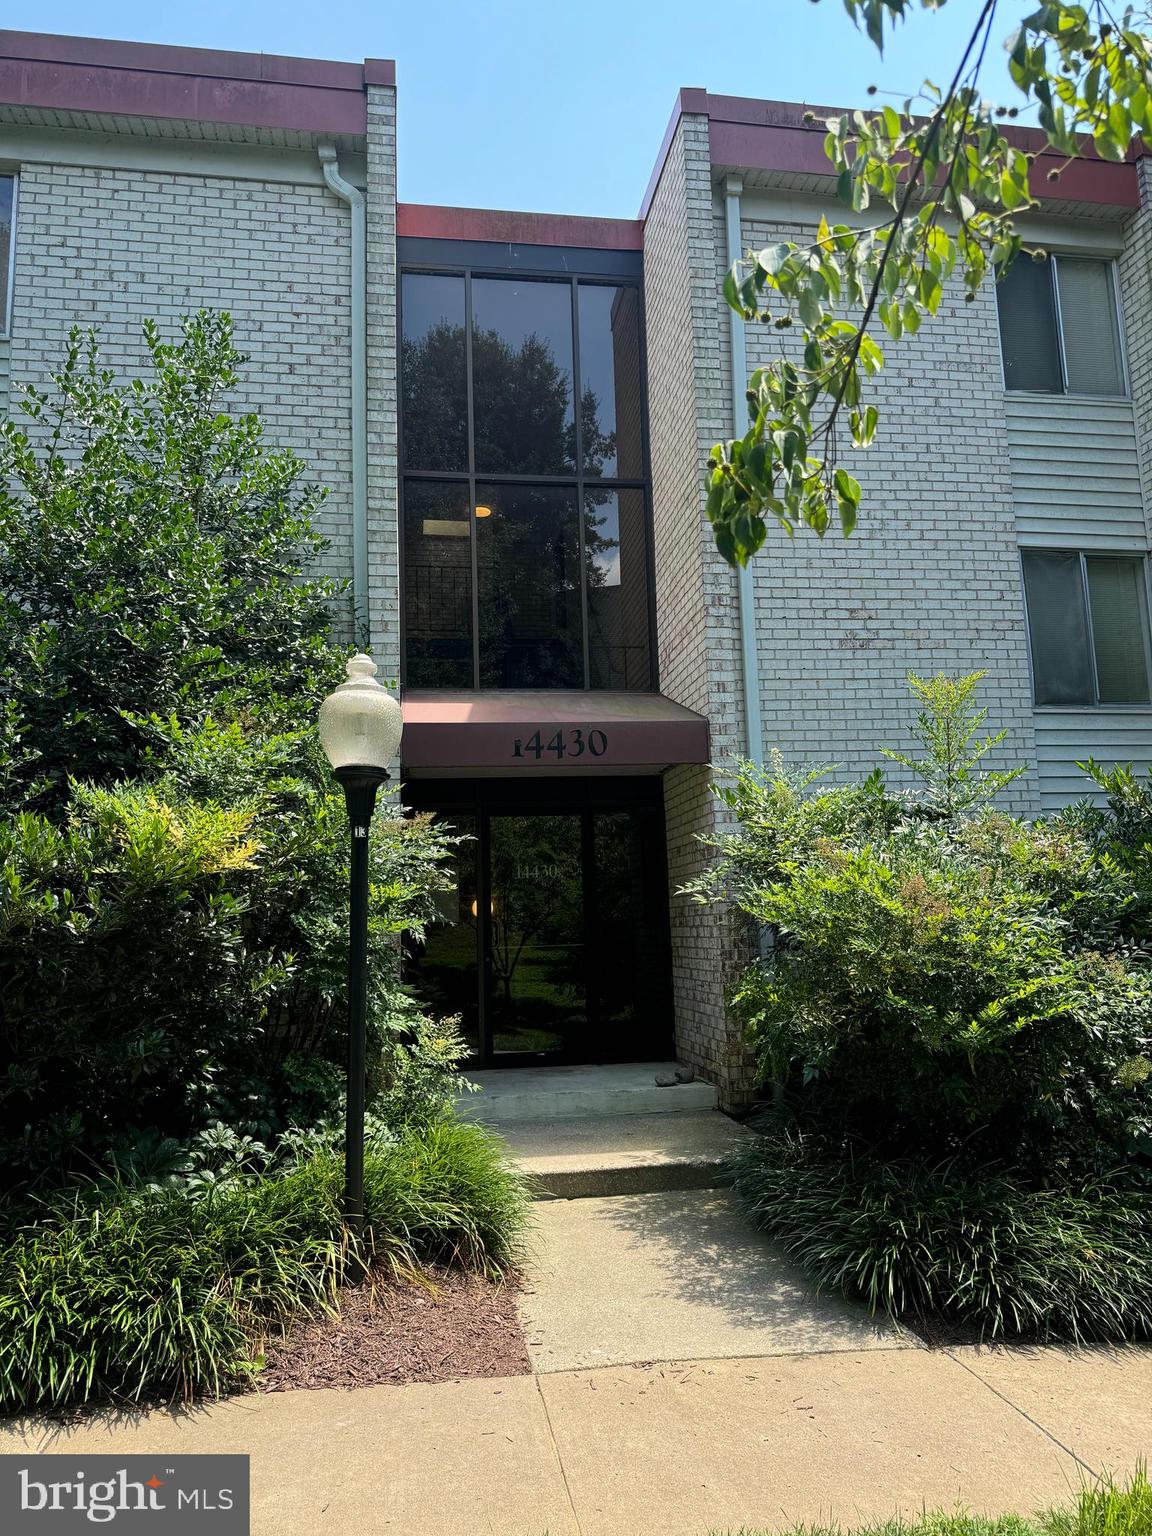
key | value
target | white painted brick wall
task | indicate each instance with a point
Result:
(383, 459)
(696, 605)
(1134, 269)
(929, 582)
(112, 248)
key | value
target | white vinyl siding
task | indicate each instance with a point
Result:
(1075, 479)
(1075, 473)
(1065, 737)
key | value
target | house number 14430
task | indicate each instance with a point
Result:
(571, 743)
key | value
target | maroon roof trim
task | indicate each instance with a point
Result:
(429, 221)
(79, 74)
(746, 133)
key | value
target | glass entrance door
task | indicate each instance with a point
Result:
(553, 944)
(536, 949)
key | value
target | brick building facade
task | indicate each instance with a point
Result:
(511, 414)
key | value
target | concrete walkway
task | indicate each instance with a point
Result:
(673, 1276)
(783, 1408)
(666, 1450)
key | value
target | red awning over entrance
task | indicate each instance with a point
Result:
(447, 734)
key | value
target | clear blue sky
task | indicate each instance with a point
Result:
(549, 105)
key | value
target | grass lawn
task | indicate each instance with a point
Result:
(1103, 1509)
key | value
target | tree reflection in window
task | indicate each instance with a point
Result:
(433, 373)
(528, 565)
(549, 560)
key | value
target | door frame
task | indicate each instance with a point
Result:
(565, 795)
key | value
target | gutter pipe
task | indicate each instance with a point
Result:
(749, 657)
(358, 314)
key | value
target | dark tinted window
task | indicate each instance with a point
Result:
(1059, 327)
(1028, 339)
(1090, 328)
(1119, 602)
(437, 585)
(434, 383)
(528, 551)
(610, 381)
(512, 581)
(522, 377)
(1058, 628)
(446, 962)
(1088, 627)
(616, 557)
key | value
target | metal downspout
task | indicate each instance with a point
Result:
(358, 314)
(749, 657)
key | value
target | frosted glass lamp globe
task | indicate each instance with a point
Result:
(360, 721)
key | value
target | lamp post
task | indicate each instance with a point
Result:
(360, 726)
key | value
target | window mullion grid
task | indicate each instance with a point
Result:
(472, 520)
(1090, 631)
(577, 401)
(1054, 279)
(496, 477)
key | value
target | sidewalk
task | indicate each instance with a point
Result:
(667, 1450)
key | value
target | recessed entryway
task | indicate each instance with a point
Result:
(554, 942)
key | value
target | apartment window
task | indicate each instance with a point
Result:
(526, 530)
(1088, 627)
(1059, 327)
(7, 248)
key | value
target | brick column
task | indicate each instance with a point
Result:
(696, 596)
(383, 454)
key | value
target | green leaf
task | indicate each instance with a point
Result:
(773, 257)
(863, 425)
(847, 499)
(810, 309)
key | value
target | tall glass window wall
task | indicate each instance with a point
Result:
(526, 529)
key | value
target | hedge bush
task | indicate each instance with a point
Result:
(945, 982)
(954, 1007)
(138, 1293)
(173, 849)
(974, 1246)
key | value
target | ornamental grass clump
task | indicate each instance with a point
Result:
(976, 1246)
(130, 1293)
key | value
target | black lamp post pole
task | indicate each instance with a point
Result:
(360, 786)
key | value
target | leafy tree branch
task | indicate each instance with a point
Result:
(953, 183)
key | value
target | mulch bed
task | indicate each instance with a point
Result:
(455, 1326)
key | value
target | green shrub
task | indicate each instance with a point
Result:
(943, 979)
(173, 849)
(974, 1246)
(170, 958)
(154, 555)
(136, 1293)
(1102, 1508)
(955, 1008)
